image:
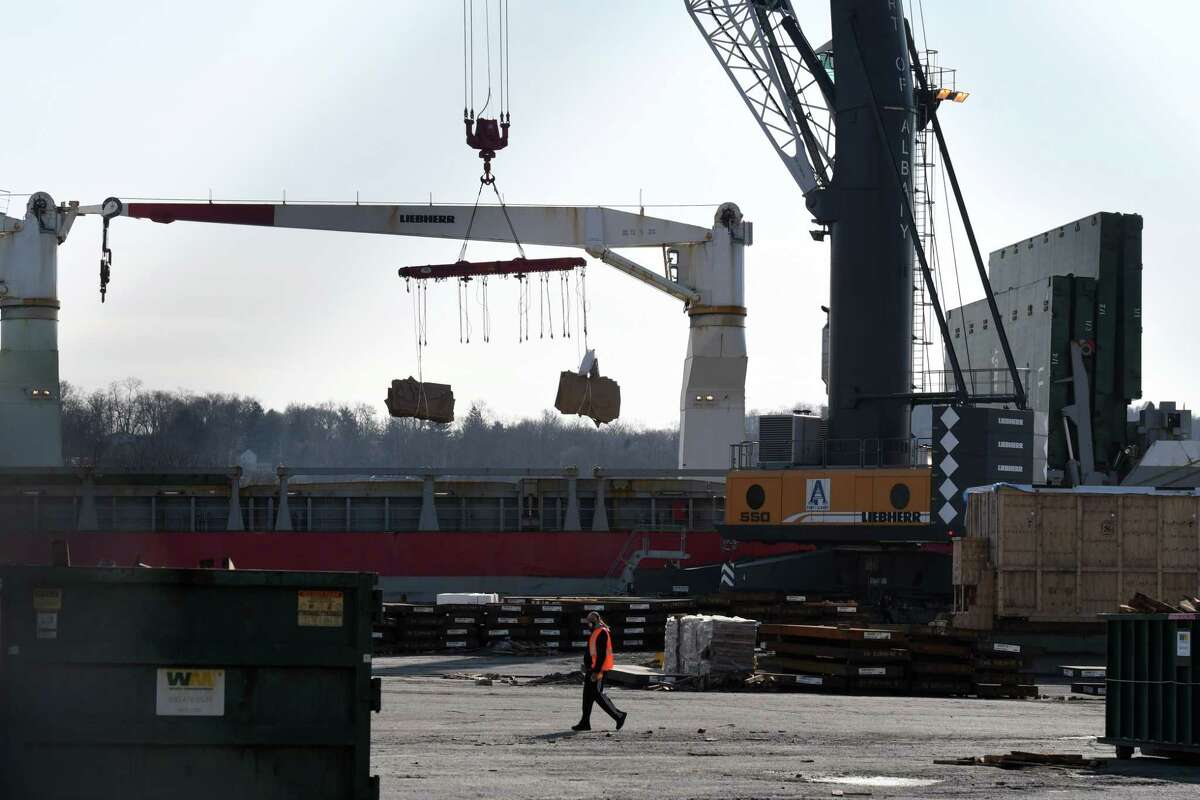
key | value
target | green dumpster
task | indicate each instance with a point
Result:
(182, 684)
(1152, 699)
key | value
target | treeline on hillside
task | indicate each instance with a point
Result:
(129, 426)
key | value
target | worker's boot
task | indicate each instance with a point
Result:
(582, 726)
(621, 721)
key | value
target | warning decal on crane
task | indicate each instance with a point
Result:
(817, 493)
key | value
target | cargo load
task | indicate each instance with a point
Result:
(1068, 555)
(699, 644)
(428, 401)
(587, 394)
(467, 598)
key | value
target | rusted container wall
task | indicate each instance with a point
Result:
(1067, 555)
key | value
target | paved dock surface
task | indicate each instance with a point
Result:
(446, 737)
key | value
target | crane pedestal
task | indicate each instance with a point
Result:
(30, 403)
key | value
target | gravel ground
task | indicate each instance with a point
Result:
(441, 737)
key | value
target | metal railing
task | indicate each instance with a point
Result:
(834, 453)
(989, 381)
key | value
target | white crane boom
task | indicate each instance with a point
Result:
(708, 280)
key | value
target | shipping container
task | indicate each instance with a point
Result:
(1067, 555)
(1152, 689)
(183, 684)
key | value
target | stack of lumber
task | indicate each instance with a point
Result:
(544, 624)
(529, 624)
(829, 658)
(637, 623)
(896, 660)
(410, 628)
(462, 625)
(998, 669)
(1143, 604)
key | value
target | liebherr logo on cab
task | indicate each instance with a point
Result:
(421, 218)
(891, 516)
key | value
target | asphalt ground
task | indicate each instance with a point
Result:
(440, 735)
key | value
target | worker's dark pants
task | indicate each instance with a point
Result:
(593, 692)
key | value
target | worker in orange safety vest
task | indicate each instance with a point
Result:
(597, 660)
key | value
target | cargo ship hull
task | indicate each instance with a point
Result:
(412, 565)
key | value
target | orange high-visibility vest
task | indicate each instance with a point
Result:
(608, 657)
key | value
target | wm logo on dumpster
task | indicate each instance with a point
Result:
(184, 692)
(191, 679)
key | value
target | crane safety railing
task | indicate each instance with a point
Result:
(834, 453)
(980, 382)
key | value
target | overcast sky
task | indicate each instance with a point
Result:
(1075, 107)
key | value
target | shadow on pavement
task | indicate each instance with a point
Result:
(505, 665)
(1162, 769)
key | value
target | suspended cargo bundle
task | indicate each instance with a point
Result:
(433, 402)
(587, 394)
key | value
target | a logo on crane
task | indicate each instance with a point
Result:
(817, 493)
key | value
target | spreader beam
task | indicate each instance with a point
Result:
(479, 269)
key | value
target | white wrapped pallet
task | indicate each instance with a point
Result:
(704, 645)
(467, 598)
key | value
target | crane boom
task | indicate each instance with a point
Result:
(707, 275)
(562, 226)
(778, 75)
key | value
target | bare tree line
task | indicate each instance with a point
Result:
(129, 426)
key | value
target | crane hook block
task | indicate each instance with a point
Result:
(112, 207)
(487, 136)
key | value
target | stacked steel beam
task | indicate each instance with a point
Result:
(525, 623)
(895, 660)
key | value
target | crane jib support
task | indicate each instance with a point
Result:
(1010, 362)
(787, 80)
(935, 301)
